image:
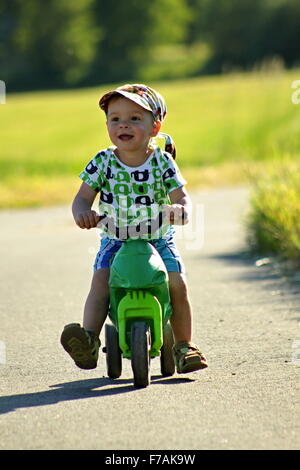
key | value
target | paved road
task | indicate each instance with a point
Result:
(245, 319)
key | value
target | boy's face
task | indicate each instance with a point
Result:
(129, 125)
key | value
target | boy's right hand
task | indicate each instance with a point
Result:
(87, 219)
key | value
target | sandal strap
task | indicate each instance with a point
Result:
(186, 347)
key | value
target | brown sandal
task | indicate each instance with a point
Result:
(188, 357)
(81, 345)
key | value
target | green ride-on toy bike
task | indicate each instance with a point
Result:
(139, 311)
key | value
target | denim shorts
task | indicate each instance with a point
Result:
(165, 247)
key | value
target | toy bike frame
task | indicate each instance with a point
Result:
(139, 311)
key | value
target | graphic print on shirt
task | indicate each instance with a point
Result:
(131, 198)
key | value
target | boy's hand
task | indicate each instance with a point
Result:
(175, 214)
(87, 219)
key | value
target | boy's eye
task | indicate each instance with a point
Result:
(117, 119)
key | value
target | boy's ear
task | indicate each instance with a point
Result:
(156, 128)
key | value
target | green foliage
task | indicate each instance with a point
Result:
(119, 51)
(281, 36)
(131, 30)
(174, 61)
(46, 43)
(169, 20)
(273, 222)
(244, 33)
(59, 43)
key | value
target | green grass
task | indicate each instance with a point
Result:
(221, 126)
(273, 221)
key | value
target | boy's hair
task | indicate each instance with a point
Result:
(148, 99)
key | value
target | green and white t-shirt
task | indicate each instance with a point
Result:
(130, 197)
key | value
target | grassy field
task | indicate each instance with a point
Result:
(224, 128)
(273, 222)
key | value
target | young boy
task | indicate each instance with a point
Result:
(133, 176)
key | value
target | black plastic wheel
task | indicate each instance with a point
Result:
(167, 364)
(140, 358)
(113, 352)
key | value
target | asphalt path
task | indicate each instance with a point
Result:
(246, 321)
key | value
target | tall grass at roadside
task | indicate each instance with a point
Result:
(274, 219)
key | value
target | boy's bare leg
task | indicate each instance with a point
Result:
(96, 305)
(181, 319)
(82, 346)
(188, 357)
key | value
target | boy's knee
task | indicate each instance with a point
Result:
(100, 282)
(177, 283)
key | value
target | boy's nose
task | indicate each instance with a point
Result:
(123, 123)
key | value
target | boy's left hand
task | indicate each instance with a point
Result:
(175, 214)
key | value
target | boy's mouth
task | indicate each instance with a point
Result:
(125, 137)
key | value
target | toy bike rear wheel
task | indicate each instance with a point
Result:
(140, 358)
(167, 364)
(113, 352)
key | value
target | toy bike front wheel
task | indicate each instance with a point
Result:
(140, 357)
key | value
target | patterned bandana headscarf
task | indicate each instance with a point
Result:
(142, 95)
(150, 100)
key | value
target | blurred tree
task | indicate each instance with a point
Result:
(60, 43)
(281, 36)
(11, 63)
(131, 30)
(233, 29)
(243, 33)
(46, 43)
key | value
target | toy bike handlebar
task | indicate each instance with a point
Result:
(143, 228)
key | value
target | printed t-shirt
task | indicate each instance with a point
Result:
(130, 197)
